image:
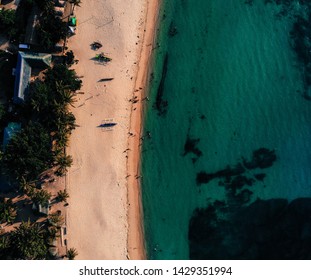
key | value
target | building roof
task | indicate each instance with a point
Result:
(41, 208)
(10, 131)
(25, 62)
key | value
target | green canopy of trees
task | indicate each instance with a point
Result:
(40, 145)
(7, 211)
(51, 28)
(27, 242)
(61, 74)
(13, 22)
(40, 196)
(28, 153)
(50, 99)
(7, 22)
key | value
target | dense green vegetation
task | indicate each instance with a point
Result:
(7, 22)
(13, 22)
(49, 103)
(51, 28)
(7, 211)
(28, 153)
(26, 242)
(39, 146)
(40, 196)
(47, 123)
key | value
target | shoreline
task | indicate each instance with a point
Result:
(136, 240)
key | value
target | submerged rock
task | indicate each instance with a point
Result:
(204, 177)
(191, 146)
(173, 30)
(262, 158)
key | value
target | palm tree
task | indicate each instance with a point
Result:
(41, 197)
(70, 58)
(28, 153)
(68, 97)
(62, 139)
(63, 162)
(27, 242)
(26, 187)
(75, 3)
(5, 253)
(39, 97)
(72, 253)
(7, 211)
(64, 94)
(64, 121)
(53, 232)
(4, 242)
(56, 219)
(62, 195)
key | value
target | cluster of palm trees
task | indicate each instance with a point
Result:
(26, 242)
(42, 143)
(51, 28)
(32, 241)
(28, 153)
(7, 22)
(50, 101)
(39, 147)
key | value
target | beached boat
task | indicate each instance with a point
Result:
(102, 57)
(108, 124)
(96, 45)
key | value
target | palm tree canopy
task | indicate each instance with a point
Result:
(72, 253)
(27, 242)
(28, 153)
(7, 211)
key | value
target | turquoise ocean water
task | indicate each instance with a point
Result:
(232, 81)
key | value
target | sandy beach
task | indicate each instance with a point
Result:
(104, 217)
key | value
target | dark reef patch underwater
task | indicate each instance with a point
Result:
(266, 229)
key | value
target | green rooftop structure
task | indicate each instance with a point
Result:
(73, 21)
(10, 131)
(27, 61)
